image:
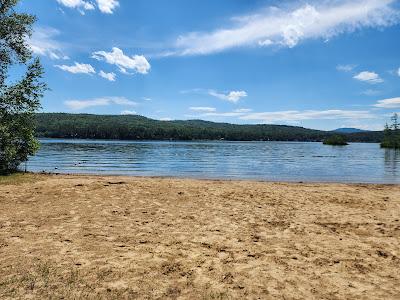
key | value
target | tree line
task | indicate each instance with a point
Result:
(134, 127)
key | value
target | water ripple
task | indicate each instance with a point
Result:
(289, 161)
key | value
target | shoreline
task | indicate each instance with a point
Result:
(85, 236)
(189, 141)
(211, 179)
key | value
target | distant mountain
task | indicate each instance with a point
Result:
(134, 127)
(349, 130)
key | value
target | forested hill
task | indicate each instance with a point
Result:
(133, 127)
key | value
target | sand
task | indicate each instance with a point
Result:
(95, 237)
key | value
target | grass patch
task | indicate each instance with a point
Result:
(19, 178)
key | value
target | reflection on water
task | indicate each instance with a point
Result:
(245, 160)
(392, 160)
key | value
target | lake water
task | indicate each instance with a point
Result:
(277, 161)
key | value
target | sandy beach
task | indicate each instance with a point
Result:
(94, 237)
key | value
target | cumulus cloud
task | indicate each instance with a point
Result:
(345, 68)
(203, 109)
(105, 101)
(77, 68)
(128, 112)
(43, 43)
(109, 76)
(369, 77)
(388, 103)
(289, 26)
(233, 96)
(136, 63)
(398, 72)
(105, 6)
(81, 5)
(294, 115)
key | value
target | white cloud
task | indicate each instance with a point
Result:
(128, 112)
(77, 68)
(166, 119)
(242, 110)
(398, 72)
(224, 114)
(203, 109)
(43, 43)
(137, 63)
(388, 103)
(107, 6)
(122, 101)
(109, 76)
(281, 116)
(265, 43)
(288, 27)
(82, 104)
(233, 96)
(369, 77)
(345, 68)
(105, 101)
(146, 99)
(81, 5)
(212, 112)
(290, 117)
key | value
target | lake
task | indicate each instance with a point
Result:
(271, 161)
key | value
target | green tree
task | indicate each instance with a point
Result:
(395, 122)
(336, 140)
(391, 137)
(18, 100)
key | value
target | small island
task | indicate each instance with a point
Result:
(335, 140)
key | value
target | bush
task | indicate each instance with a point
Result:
(336, 140)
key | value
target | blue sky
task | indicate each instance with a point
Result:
(317, 64)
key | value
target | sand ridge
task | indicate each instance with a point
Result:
(97, 237)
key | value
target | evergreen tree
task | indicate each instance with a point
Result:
(392, 134)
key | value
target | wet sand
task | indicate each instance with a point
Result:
(95, 237)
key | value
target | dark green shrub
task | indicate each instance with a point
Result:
(336, 140)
